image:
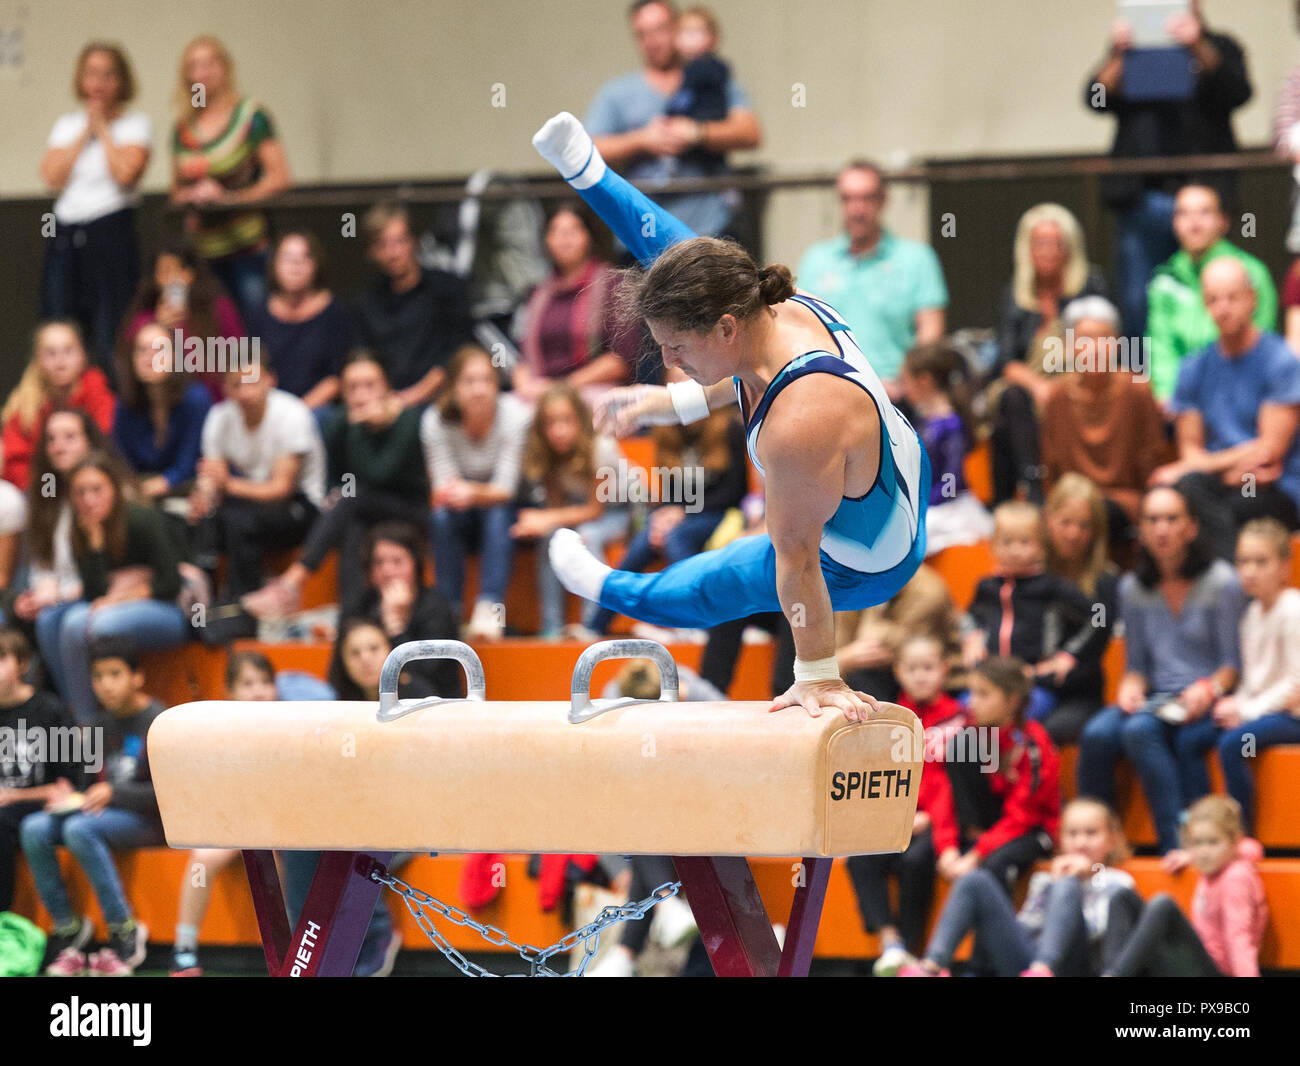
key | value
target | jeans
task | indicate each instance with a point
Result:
(1144, 240)
(1196, 739)
(64, 633)
(597, 534)
(457, 534)
(243, 276)
(91, 838)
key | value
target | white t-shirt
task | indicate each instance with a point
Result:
(91, 192)
(287, 428)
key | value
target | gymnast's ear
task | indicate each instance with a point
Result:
(729, 326)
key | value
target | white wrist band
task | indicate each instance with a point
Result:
(827, 669)
(689, 401)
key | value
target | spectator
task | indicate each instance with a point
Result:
(93, 160)
(225, 152)
(261, 480)
(117, 812)
(936, 384)
(377, 469)
(158, 424)
(1264, 709)
(1198, 125)
(1291, 306)
(1074, 518)
(1237, 404)
(567, 473)
(706, 80)
(1286, 139)
(1101, 420)
(573, 332)
(413, 319)
(473, 442)
(890, 290)
(1180, 321)
(1181, 608)
(130, 581)
(627, 121)
(302, 323)
(1051, 269)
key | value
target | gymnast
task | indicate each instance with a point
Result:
(847, 476)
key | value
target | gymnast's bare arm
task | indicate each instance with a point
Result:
(625, 411)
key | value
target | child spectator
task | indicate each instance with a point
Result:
(1008, 816)
(565, 467)
(473, 441)
(1025, 611)
(706, 82)
(922, 674)
(936, 382)
(27, 781)
(1229, 911)
(117, 813)
(1264, 709)
(158, 425)
(130, 580)
(1066, 927)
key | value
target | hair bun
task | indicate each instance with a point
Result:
(775, 284)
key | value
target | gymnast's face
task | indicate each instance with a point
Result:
(705, 357)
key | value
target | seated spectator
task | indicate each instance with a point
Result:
(473, 442)
(1291, 306)
(1180, 322)
(27, 781)
(261, 479)
(708, 461)
(1264, 709)
(890, 290)
(302, 323)
(706, 81)
(158, 424)
(398, 598)
(1026, 611)
(1229, 911)
(128, 563)
(936, 383)
(1237, 405)
(376, 468)
(1101, 421)
(119, 812)
(567, 472)
(1181, 609)
(573, 333)
(413, 319)
(1286, 141)
(57, 376)
(1074, 518)
(181, 295)
(94, 160)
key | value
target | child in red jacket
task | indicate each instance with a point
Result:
(921, 671)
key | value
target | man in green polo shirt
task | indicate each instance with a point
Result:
(889, 290)
(1177, 322)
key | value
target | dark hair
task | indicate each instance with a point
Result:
(695, 282)
(125, 77)
(410, 538)
(115, 525)
(339, 678)
(319, 277)
(123, 648)
(1007, 674)
(951, 374)
(200, 317)
(1198, 559)
(363, 355)
(43, 507)
(12, 642)
(238, 660)
(601, 240)
(637, 5)
(129, 387)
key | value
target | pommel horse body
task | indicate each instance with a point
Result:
(707, 783)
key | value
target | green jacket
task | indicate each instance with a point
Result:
(1178, 323)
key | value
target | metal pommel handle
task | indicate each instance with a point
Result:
(390, 707)
(583, 707)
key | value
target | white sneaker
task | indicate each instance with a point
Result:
(485, 623)
(673, 924)
(617, 963)
(891, 960)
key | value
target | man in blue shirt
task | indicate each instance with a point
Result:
(1238, 406)
(890, 290)
(628, 124)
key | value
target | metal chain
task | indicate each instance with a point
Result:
(418, 903)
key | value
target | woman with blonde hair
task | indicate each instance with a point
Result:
(225, 151)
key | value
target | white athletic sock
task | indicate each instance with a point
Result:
(568, 147)
(578, 570)
(187, 938)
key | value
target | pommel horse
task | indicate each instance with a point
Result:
(706, 783)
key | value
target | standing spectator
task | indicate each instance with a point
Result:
(890, 290)
(1237, 405)
(473, 442)
(1181, 608)
(1286, 139)
(94, 160)
(302, 324)
(627, 121)
(413, 319)
(573, 333)
(1051, 269)
(1179, 321)
(1200, 124)
(225, 152)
